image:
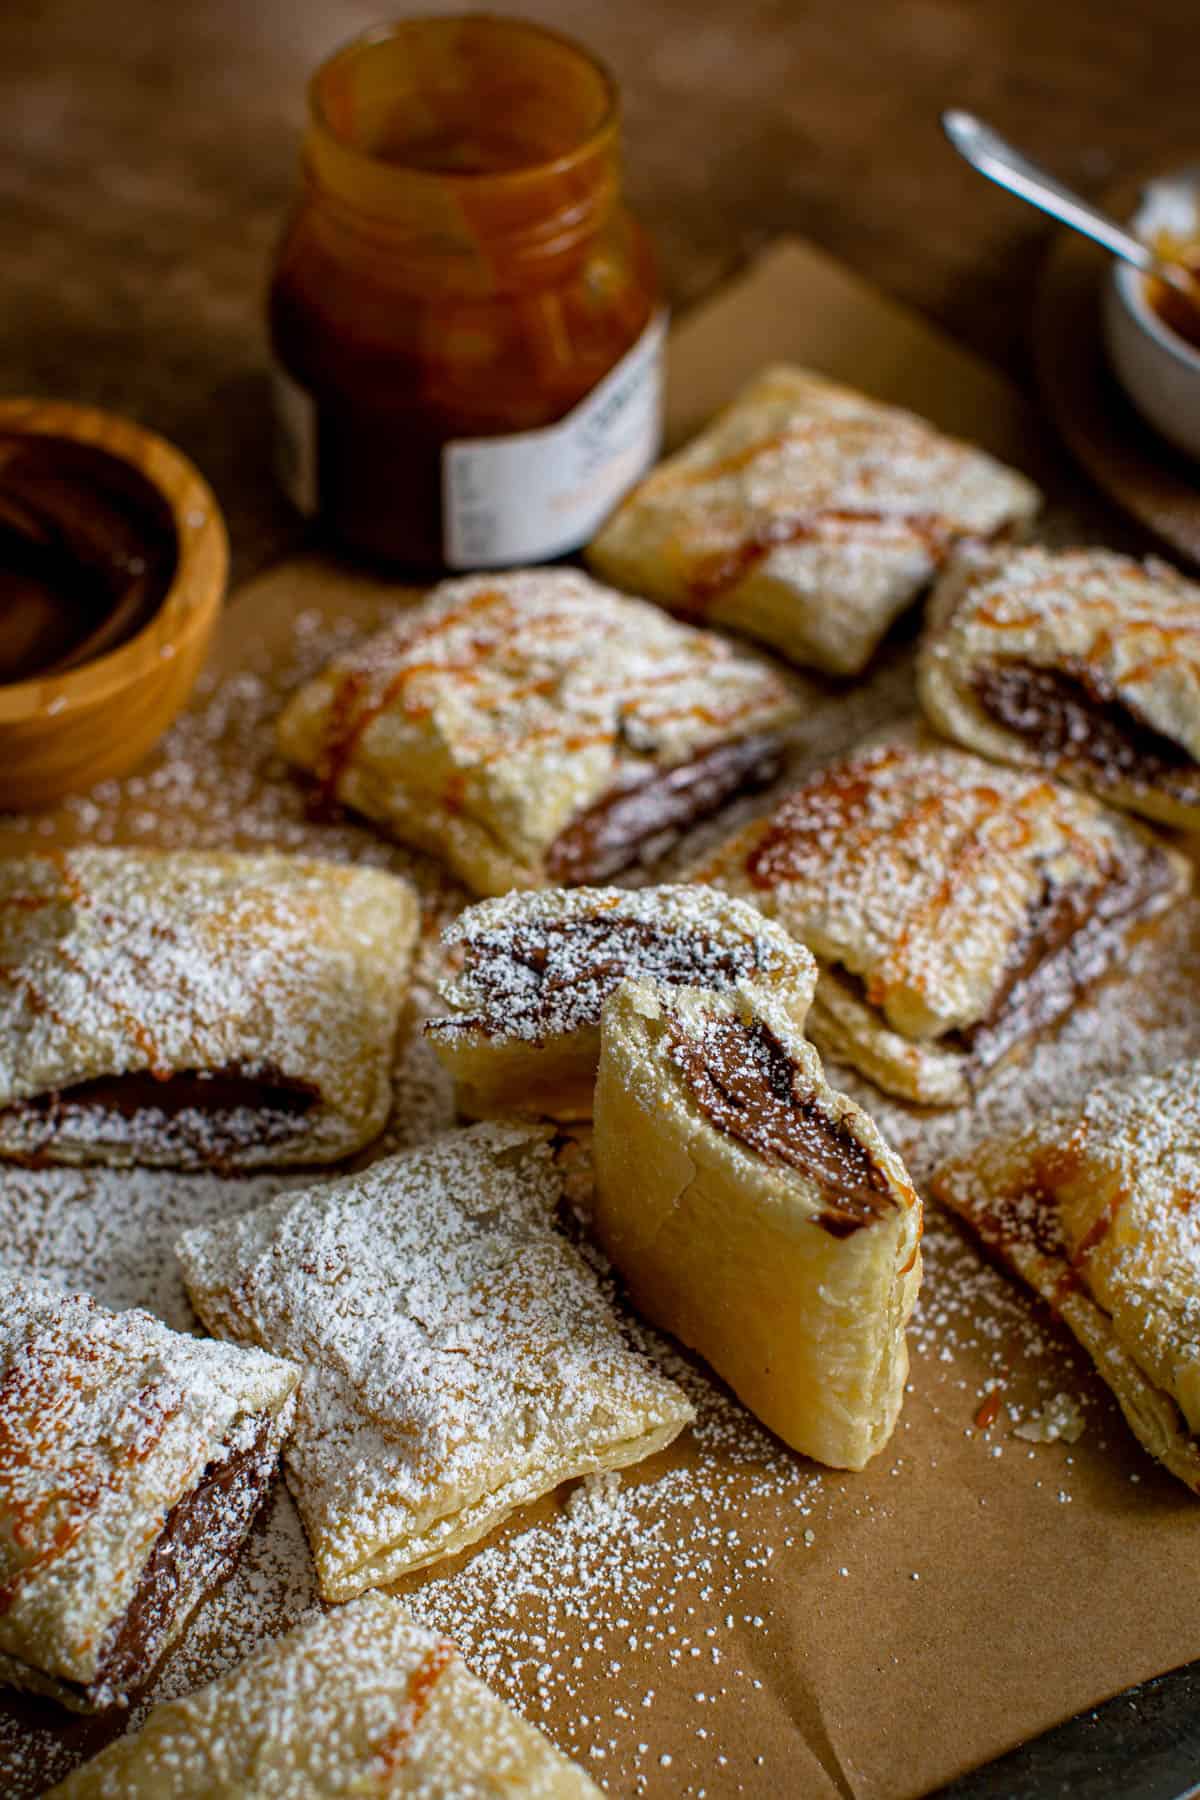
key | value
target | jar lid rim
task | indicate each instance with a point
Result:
(593, 140)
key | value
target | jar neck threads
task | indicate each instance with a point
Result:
(487, 147)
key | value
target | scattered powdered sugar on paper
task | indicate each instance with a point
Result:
(112, 1232)
(633, 1574)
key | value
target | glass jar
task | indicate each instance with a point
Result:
(464, 316)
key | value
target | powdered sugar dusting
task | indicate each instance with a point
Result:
(425, 1297)
(540, 964)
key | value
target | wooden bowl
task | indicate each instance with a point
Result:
(63, 732)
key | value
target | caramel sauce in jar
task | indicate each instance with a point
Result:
(464, 316)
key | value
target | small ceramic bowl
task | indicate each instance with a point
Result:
(66, 729)
(1159, 370)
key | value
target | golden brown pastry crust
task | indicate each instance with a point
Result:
(523, 1035)
(756, 1213)
(496, 724)
(459, 1356)
(1095, 1207)
(107, 1422)
(809, 516)
(955, 909)
(362, 1700)
(1081, 662)
(274, 982)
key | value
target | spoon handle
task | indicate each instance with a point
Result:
(986, 151)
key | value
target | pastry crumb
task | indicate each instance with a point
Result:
(1061, 1419)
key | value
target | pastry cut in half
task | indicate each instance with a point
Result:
(535, 728)
(133, 1459)
(364, 1700)
(459, 1357)
(1096, 1207)
(808, 516)
(195, 1008)
(755, 1213)
(523, 1035)
(956, 909)
(1082, 662)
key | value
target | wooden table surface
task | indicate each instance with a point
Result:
(151, 151)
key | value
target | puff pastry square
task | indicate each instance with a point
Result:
(808, 516)
(955, 909)
(523, 1033)
(197, 1009)
(362, 1701)
(459, 1357)
(755, 1213)
(1081, 662)
(1095, 1206)
(132, 1461)
(536, 728)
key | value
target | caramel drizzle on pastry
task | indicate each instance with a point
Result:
(835, 805)
(35, 1392)
(720, 573)
(936, 533)
(348, 721)
(422, 1684)
(1032, 1216)
(744, 1080)
(354, 708)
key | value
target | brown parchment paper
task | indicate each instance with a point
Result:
(729, 1619)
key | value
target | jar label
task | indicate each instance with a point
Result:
(537, 494)
(295, 440)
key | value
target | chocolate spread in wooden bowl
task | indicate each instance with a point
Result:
(88, 551)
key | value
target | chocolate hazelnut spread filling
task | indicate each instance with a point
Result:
(558, 978)
(191, 1555)
(1072, 712)
(745, 1083)
(1072, 938)
(609, 835)
(216, 1110)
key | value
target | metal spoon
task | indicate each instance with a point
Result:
(988, 152)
